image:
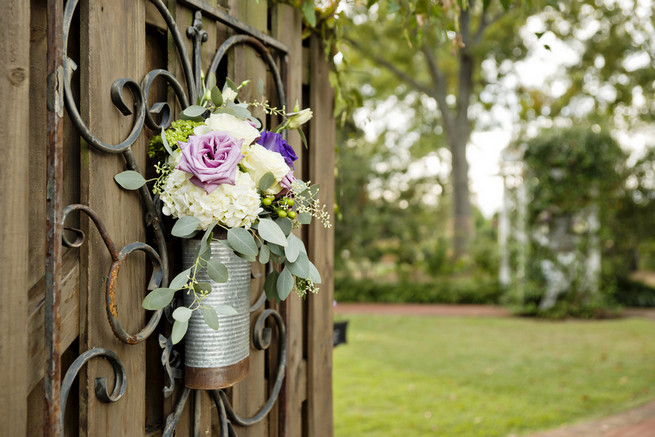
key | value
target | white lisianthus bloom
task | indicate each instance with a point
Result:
(297, 119)
(235, 126)
(258, 161)
(229, 94)
(231, 205)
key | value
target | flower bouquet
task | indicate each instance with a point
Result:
(220, 175)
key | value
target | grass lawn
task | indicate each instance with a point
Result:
(460, 377)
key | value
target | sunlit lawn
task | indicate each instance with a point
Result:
(419, 376)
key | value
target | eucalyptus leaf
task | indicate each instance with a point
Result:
(276, 250)
(181, 279)
(303, 138)
(270, 285)
(264, 254)
(211, 318)
(249, 258)
(158, 298)
(242, 241)
(202, 287)
(211, 81)
(239, 111)
(207, 237)
(284, 224)
(271, 232)
(225, 310)
(226, 244)
(225, 111)
(284, 283)
(300, 267)
(185, 226)
(165, 142)
(179, 329)
(266, 181)
(293, 248)
(314, 274)
(204, 257)
(182, 314)
(231, 84)
(194, 111)
(130, 180)
(304, 218)
(217, 97)
(217, 271)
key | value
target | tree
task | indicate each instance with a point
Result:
(431, 52)
(611, 75)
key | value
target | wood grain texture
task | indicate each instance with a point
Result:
(321, 247)
(14, 214)
(112, 46)
(287, 28)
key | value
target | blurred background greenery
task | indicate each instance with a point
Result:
(420, 83)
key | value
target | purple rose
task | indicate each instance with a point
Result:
(211, 158)
(275, 142)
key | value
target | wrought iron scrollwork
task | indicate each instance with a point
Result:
(186, 92)
(262, 337)
(120, 380)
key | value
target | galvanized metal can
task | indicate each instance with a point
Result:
(218, 358)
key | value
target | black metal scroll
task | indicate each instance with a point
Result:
(186, 91)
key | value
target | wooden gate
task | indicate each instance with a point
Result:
(79, 93)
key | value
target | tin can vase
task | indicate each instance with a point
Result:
(216, 359)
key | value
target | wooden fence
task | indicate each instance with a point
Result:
(52, 306)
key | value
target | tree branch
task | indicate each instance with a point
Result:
(485, 22)
(440, 92)
(403, 76)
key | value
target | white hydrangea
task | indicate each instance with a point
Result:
(258, 161)
(231, 205)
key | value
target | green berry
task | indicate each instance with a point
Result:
(289, 201)
(266, 201)
(281, 213)
(291, 214)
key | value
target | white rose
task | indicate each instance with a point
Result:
(237, 127)
(259, 161)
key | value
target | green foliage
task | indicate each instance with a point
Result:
(439, 290)
(569, 169)
(180, 130)
(490, 377)
(634, 294)
(570, 172)
(615, 58)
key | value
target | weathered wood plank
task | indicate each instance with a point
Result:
(287, 28)
(69, 311)
(321, 241)
(37, 142)
(112, 46)
(14, 213)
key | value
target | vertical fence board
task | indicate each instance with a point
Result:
(319, 308)
(14, 214)
(287, 28)
(113, 45)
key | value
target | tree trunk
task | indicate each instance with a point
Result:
(462, 217)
